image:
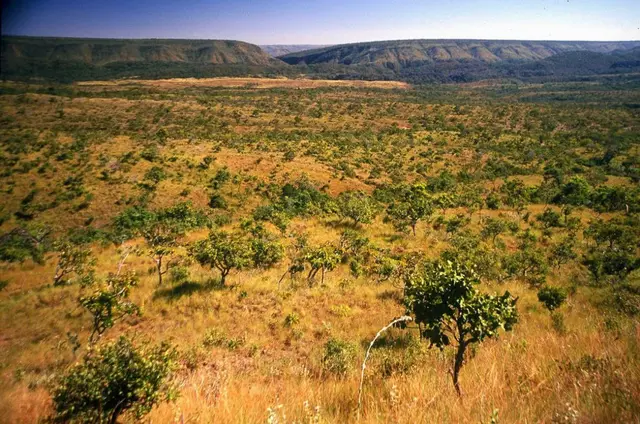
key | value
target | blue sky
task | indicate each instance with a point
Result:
(325, 21)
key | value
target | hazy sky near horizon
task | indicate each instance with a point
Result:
(325, 21)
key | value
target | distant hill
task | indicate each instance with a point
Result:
(104, 51)
(414, 61)
(402, 53)
(420, 61)
(276, 50)
(88, 58)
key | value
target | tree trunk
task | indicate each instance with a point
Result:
(223, 276)
(312, 274)
(115, 414)
(283, 275)
(457, 366)
(413, 228)
(159, 264)
(322, 276)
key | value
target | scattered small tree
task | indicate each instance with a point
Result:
(72, 259)
(266, 250)
(413, 205)
(222, 251)
(109, 302)
(549, 219)
(113, 380)
(562, 252)
(515, 194)
(614, 253)
(162, 239)
(528, 263)
(356, 205)
(492, 228)
(324, 258)
(449, 309)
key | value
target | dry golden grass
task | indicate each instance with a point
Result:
(525, 375)
(533, 374)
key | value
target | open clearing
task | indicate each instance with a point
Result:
(245, 82)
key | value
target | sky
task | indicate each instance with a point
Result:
(325, 21)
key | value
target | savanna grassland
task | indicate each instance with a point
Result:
(329, 205)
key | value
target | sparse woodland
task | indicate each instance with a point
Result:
(177, 253)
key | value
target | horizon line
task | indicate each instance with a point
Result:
(317, 44)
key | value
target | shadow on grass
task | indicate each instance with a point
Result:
(341, 224)
(398, 337)
(391, 294)
(188, 288)
(394, 237)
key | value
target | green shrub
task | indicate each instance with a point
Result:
(155, 175)
(552, 297)
(626, 298)
(179, 274)
(213, 337)
(20, 244)
(291, 319)
(217, 201)
(113, 380)
(338, 357)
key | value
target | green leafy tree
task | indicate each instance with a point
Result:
(528, 263)
(358, 206)
(162, 239)
(72, 259)
(492, 228)
(114, 380)
(493, 201)
(109, 302)
(614, 234)
(563, 252)
(129, 223)
(609, 199)
(450, 310)
(577, 192)
(321, 259)
(222, 251)
(385, 267)
(472, 199)
(295, 254)
(614, 253)
(549, 219)
(338, 357)
(355, 249)
(22, 243)
(217, 201)
(515, 193)
(266, 250)
(413, 205)
(444, 201)
(161, 230)
(466, 248)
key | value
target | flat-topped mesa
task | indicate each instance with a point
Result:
(100, 52)
(401, 53)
